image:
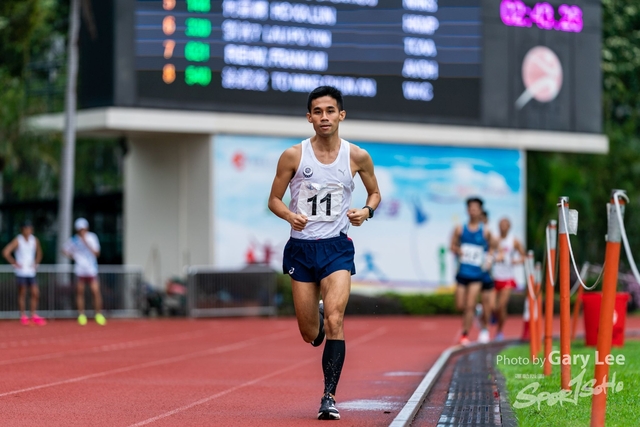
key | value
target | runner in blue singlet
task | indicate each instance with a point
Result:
(470, 243)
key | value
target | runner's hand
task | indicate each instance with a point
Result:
(298, 222)
(357, 216)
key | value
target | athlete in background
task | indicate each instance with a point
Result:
(470, 243)
(84, 249)
(509, 252)
(27, 254)
(319, 257)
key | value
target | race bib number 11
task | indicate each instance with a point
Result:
(320, 202)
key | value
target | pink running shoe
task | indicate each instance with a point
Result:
(40, 321)
(24, 320)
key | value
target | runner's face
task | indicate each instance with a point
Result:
(475, 211)
(325, 116)
(505, 225)
(27, 231)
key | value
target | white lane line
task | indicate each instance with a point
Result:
(353, 343)
(108, 347)
(216, 350)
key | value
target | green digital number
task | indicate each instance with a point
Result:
(194, 75)
(198, 5)
(196, 51)
(197, 27)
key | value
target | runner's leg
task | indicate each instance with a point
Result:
(97, 297)
(305, 300)
(335, 290)
(22, 292)
(503, 300)
(473, 289)
(35, 296)
(80, 295)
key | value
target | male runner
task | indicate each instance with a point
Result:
(27, 254)
(503, 272)
(488, 294)
(469, 243)
(319, 257)
(84, 249)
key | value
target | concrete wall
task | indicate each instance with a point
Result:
(168, 204)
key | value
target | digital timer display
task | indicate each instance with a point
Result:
(515, 13)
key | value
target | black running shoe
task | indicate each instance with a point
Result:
(320, 336)
(328, 409)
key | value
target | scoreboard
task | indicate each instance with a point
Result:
(468, 62)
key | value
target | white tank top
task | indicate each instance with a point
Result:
(322, 193)
(25, 255)
(503, 270)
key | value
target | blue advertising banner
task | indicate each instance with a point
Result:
(405, 245)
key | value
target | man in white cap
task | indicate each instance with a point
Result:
(84, 249)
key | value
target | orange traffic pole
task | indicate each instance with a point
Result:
(533, 307)
(605, 329)
(565, 292)
(550, 254)
(577, 305)
(539, 331)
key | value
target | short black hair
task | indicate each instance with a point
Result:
(477, 200)
(321, 91)
(26, 223)
(485, 214)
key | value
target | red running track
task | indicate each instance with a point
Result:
(223, 372)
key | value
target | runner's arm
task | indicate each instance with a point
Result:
(364, 168)
(95, 251)
(455, 241)
(8, 250)
(285, 171)
(38, 252)
(517, 246)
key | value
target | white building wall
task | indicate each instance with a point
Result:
(168, 204)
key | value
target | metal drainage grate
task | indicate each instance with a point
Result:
(474, 393)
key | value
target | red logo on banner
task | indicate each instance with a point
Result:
(238, 160)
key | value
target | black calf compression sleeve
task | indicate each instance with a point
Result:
(332, 361)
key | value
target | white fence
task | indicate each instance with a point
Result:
(120, 285)
(210, 292)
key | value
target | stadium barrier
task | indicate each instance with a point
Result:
(120, 285)
(212, 292)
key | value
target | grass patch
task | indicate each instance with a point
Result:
(623, 406)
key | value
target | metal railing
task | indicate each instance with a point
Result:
(249, 292)
(120, 286)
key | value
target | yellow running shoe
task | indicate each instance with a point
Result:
(100, 320)
(82, 320)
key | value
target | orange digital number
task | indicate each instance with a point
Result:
(169, 25)
(168, 4)
(168, 73)
(168, 48)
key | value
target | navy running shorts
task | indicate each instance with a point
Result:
(466, 281)
(313, 260)
(487, 282)
(25, 281)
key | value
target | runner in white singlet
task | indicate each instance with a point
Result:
(319, 257)
(510, 251)
(27, 254)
